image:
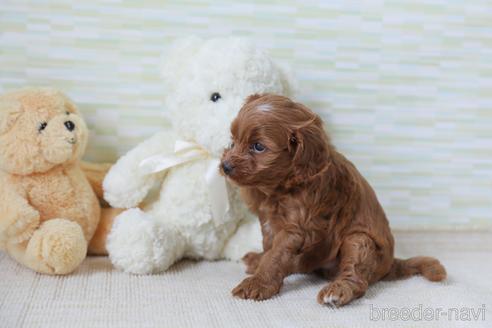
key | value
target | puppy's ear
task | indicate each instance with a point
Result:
(309, 144)
(292, 143)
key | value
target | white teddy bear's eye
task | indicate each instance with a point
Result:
(215, 96)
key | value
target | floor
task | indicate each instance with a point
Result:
(198, 294)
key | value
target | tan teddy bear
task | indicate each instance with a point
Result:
(49, 207)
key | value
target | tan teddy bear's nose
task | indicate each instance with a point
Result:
(69, 125)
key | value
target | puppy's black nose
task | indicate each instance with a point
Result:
(227, 167)
(69, 125)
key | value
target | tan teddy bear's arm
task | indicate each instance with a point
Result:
(18, 219)
(95, 173)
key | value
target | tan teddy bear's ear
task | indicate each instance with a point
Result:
(69, 105)
(10, 110)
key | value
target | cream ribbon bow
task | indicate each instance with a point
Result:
(185, 152)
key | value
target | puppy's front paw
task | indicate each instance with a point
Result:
(256, 288)
(252, 260)
(337, 293)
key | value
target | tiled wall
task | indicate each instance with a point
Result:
(404, 85)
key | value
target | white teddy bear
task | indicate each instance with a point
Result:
(196, 213)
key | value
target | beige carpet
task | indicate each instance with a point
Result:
(198, 294)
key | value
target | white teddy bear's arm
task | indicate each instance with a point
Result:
(125, 186)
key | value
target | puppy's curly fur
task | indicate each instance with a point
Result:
(317, 212)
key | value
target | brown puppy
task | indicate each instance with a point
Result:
(317, 212)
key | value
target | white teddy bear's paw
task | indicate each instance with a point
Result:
(247, 238)
(138, 244)
(121, 192)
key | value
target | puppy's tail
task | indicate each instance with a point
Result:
(429, 267)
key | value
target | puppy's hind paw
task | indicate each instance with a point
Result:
(330, 300)
(337, 293)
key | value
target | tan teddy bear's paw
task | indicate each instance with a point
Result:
(24, 227)
(57, 247)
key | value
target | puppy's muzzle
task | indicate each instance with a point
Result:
(227, 167)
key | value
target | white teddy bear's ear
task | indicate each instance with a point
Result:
(287, 79)
(175, 60)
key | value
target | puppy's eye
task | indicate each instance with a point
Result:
(42, 126)
(68, 113)
(258, 147)
(215, 96)
(231, 145)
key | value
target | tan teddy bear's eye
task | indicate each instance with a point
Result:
(42, 126)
